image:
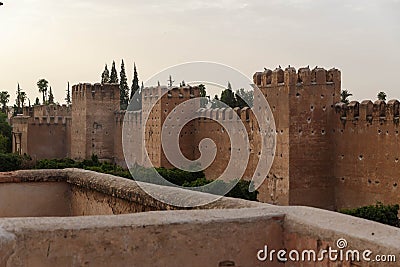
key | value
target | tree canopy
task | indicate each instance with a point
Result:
(43, 85)
(123, 88)
(382, 96)
(5, 134)
(4, 99)
(114, 74)
(344, 95)
(105, 76)
(135, 81)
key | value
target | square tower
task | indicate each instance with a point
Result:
(303, 106)
(93, 115)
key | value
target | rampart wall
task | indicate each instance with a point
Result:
(44, 136)
(328, 154)
(367, 152)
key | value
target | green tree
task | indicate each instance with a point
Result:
(382, 96)
(244, 98)
(43, 85)
(68, 97)
(18, 100)
(114, 74)
(51, 96)
(203, 93)
(3, 144)
(5, 134)
(344, 95)
(135, 81)
(386, 214)
(22, 98)
(216, 103)
(105, 76)
(228, 97)
(4, 99)
(10, 162)
(123, 88)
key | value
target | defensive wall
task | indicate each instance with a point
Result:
(83, 218)
(367, 151)
(43, 132)
(328, 154)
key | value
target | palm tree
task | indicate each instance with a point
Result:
(4, 99)
(42, 84)
(345, 94)
(382, 96)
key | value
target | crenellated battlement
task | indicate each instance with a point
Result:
(51, 120)
(51, 110)
(224, 114)
(153, 92)
(289, 76)
(130, 117)
(95, 91)
(174, 92)
(369, 111)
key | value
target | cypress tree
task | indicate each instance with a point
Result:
(105, 76)
(135, 81)
(124, 88)
(51, 96)
(114, 74)
(228, 96)
(18, 98)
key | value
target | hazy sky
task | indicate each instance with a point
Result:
(71, 40)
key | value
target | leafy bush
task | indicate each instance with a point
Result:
(175, 176)
(179, 177)
(5, 134)
(57, 164)
(240, 190)
(386, 214)
(10, 162)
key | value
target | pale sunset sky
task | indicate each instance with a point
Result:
(62, 40)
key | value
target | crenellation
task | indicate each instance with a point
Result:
(223, 114)
(318, 76)
(185, 91)
(353, 111)
(334, 76)
(366, 109)
(341, 109)
(304, 76)
(278, 77)
(245, 114)
(379, 110)
(290, 76)
(266, 78)
(392, 110)
(257, 78)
